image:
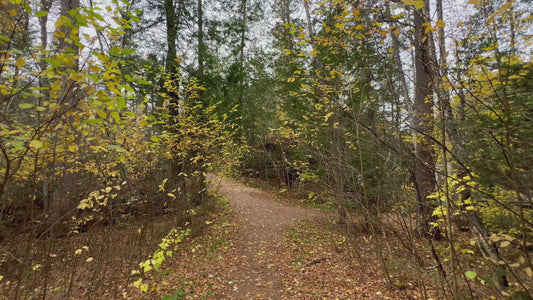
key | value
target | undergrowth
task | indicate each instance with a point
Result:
(208, 236)
(98, 264)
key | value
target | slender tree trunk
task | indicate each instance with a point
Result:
(399, 68)
(172, 34)
(440, 71)
(44, 84)
(285, 13)
(400, 74)
(311, 33)
(46, 5)
(171, 64)
(67, 44)
(244, 16)
(64, 43)
(201, 44)
(423, 121)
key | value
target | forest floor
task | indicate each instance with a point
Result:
(261, 247)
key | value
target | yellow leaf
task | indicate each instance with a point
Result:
(428, 27)
(162, 185)
(76, 77)
(21, 62)
(35, 144)
(115, 116)
(78, 252)
(137, 284)
(13, 12)
(418, 4)
(114, 90)
(73, 148)
(25, 105)
(326, 117)
(505, 244)
(59, 34)
(94, 68)
(89, 259)
(529, 272)
(440, 23)
(101, 113)
(171, 195)
(67, 60)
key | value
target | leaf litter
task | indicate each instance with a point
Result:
(260, 247)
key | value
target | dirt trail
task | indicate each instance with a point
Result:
(263, 248)
(254, 264)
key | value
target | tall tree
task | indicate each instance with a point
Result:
(69, 39)
(171, 64)
(242, 30)
(201, 43)
(423, 121)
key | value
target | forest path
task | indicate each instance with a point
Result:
(261, 247)
(257, 260)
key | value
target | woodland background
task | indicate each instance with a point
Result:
(411, 119)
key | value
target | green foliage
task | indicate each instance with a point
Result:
(470, 274)
(64, 114)
(179, 295)
(166, 249)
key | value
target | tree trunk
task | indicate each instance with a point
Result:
(201, 45)
(64, 43)
(171, 64)
(316, 59)
(423, 121)
(67, 44)
(172, 34)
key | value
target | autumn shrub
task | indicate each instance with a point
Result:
(80, 152)
(129, 172)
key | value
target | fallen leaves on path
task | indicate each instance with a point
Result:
(261, 248)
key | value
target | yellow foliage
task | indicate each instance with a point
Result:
(418, 4)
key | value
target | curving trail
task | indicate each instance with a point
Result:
(273, 250)
(253, 262)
